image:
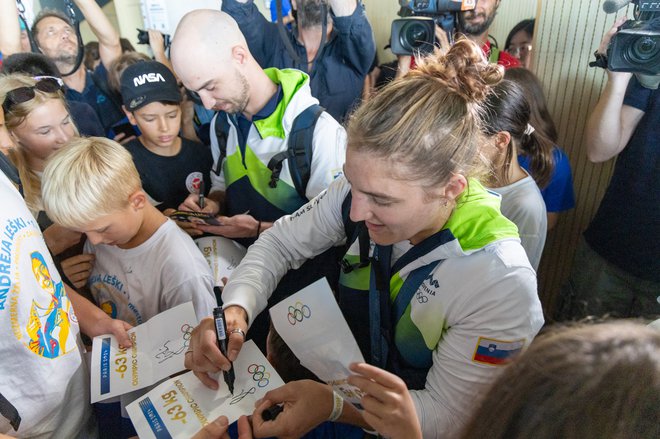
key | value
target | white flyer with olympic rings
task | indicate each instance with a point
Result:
(181, 406)
(158, 350)
(312, 325)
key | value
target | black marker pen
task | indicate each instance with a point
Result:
(200, 200)
(221, 336)
(271, 412)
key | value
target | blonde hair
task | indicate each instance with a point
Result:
(87, 179)
(427, 123)
(14, 118)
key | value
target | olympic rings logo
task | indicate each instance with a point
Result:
(298, 312)
(187, 334)
(259, 374)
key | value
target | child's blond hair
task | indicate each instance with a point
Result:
(87, 179)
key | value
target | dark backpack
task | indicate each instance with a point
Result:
(298, 153)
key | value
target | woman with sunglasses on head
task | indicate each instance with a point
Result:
(429, 255)
(39, 123)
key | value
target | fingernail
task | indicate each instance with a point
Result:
(233, 354)
(222, 421)
(226, 368)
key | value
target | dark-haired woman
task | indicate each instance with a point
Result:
(508, 131)
(547, 163)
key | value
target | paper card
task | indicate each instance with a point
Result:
(223, 255)
(181, 406)
(158, 351)
(312, 325)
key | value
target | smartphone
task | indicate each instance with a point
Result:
(195, 217)
(125, 128)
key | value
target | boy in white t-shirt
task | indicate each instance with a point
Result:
(143, 263)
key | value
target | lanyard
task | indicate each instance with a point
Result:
(379, 307)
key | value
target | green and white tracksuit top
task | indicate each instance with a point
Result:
(245, 175)
(474, 309)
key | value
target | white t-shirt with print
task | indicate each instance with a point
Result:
(164, 271)
(42, 374)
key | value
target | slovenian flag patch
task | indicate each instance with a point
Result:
(491, 351)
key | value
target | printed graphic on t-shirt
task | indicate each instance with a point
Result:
(28, 274)
(110, 294)
(194, 182)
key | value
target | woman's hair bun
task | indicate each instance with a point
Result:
(463, 68)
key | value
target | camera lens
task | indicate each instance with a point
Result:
(414, 35)
(643, 49)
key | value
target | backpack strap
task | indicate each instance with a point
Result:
(354, 231)
(299, 151)
(221, 128)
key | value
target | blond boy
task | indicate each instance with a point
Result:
(138, 262)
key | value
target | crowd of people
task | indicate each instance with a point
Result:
(423, 194)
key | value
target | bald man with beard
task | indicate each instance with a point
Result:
(211, 57)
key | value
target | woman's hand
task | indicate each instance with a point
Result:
(306, 404)
(387, 404)
(204, 356)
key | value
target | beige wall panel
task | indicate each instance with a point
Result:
(510, 13)
(380, 14)
(567, 33)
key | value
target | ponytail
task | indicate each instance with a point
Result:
(539, 149)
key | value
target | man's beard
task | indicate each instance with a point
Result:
(241, 103)
(66, 57)
(474, 29)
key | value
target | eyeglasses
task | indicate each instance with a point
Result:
(519, 51)
(47, 84)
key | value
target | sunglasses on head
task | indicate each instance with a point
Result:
(47, 84)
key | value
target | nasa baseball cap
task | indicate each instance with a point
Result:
(146, 82)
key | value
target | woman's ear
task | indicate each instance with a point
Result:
(455, 187)
(502, 140)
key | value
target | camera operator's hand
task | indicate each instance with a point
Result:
(441, 39)
(611, 123)
(403, 65)
(157, 44)
(605, 42)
